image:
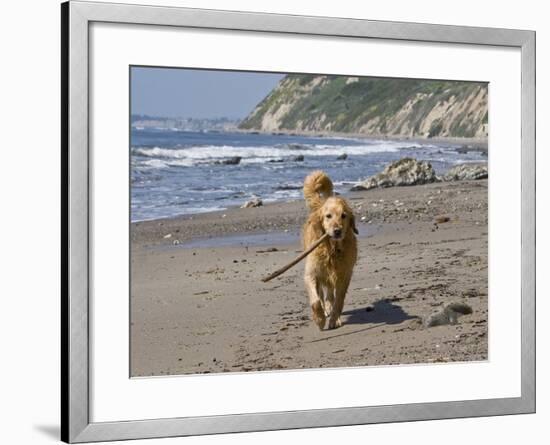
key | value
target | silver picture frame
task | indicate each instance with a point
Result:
(75, 281)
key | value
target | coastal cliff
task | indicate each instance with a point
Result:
(373, 107)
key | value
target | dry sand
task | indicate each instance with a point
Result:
(198, 305)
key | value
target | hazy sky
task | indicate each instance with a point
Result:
(175, 92)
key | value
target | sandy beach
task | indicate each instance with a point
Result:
(198, 305)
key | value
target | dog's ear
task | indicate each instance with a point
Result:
(353, 226)
(349, 211)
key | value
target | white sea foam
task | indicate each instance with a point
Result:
(469, 161)
(190, 156)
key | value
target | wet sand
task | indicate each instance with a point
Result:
(198, 305)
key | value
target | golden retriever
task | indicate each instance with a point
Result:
(328, 268)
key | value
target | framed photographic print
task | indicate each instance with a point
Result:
(276, 222)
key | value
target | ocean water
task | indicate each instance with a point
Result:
(178, 173)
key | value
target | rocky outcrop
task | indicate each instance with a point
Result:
(406, 171)
(467, 172)
(372, 106)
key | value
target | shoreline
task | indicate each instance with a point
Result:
(477, 144)
(254, 220)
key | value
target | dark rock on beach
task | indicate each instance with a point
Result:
(254, 202)
(472, 148)
(235, 160)
(296, 146)
(448, 315)
(297, 158)
(342, 157)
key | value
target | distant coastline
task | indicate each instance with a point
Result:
(183, 123)
(476, 144)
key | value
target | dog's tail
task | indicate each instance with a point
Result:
(317, 188)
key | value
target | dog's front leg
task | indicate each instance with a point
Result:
(340, 295)
(318, 312)
(329, 301)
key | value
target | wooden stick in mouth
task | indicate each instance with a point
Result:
(296, 260)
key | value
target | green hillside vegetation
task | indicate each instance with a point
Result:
(373, 106)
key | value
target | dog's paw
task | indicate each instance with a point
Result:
(334, 323)
(318, 314)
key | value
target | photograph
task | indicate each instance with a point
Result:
(298, 221)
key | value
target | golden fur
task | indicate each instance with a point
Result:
(328, 268)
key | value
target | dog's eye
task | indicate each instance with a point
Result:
(328, 216)
(343, 216)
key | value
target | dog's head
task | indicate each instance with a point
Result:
(336, 218)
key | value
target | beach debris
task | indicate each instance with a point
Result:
(167, 236)
(270, 249)
(342, 157)
(472, 293)
(441, 219)
(254, 202)
(235, 160)
(467, 172)
(176, 242)
(296, 260)
(448, 315)
(406, 171)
